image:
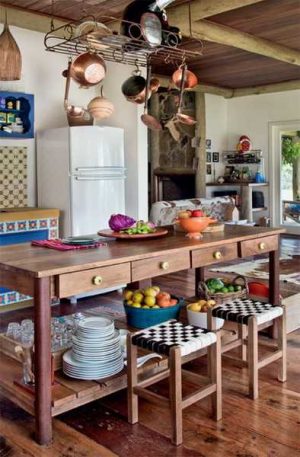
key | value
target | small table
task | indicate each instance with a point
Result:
(45, 273)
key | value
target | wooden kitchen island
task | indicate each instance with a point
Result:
(45, 273)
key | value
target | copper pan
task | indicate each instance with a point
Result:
(190, 79)
(183, 118)
(150, 121)
(76, 115)
(88, 69)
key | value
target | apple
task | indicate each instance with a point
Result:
(197, 213)
(162, 296)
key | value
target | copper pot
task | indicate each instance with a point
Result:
(88, 69)
(190, 79)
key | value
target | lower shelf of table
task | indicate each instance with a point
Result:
(67, 393)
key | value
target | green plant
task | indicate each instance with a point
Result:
(290, 150)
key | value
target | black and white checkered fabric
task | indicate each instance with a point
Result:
(160, 338)
(241, 309)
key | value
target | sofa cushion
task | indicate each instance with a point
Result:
(165, 212)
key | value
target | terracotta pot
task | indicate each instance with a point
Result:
(100, 107)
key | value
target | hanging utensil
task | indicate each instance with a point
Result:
(10, 56)
(88, 69)
(134, 88)
(76, 115)
(150, 121)
(100, 107)
(190, 79)
(183, 118)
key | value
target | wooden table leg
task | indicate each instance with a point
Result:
(42, 320)
(199, 276)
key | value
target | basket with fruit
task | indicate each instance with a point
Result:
(150, 306)
(222, 290)
(197, 313)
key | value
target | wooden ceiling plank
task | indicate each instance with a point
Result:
(210, 31)
(201, 9)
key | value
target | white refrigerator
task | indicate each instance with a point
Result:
(80, 170)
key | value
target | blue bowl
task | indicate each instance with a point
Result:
(142, 318)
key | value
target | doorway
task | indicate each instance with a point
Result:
(284, 166)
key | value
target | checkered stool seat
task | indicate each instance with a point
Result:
(241, 309)
(162, 337)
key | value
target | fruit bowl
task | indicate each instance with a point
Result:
(195, 225)
(142, 317)
(198, 317)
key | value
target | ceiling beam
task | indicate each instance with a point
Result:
(200, 9)
(222, 34)
(225, 92)
(266, 89)
(28, 19)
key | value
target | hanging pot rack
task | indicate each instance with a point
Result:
(115, 47)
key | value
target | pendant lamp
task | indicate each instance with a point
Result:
(10, 56)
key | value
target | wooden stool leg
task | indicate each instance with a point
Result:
(175, 395)
(282, 345)
(211, 325)
(253, 357)
(132, 398)
(242, 336)
(215, 374)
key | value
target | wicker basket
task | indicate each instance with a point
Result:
(220, 297)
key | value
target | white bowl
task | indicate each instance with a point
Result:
(200, 319)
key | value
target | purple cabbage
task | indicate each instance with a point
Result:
(119, 222)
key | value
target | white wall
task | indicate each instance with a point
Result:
(216, 131)
(41, 76)
(251, 116)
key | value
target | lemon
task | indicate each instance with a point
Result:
(137, 297)
(202, 302)
(150, 291)
(145, 307)
(194, 307)
(155, 306)
(149, 300)
(129, 302)
(136, 305)
(127, 294)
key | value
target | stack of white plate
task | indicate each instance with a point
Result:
(96, 351)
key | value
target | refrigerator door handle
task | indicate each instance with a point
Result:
(100, 169)
(99, 178)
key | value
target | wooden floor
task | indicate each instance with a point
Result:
(267, 427)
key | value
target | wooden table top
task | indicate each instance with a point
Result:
(42, 262)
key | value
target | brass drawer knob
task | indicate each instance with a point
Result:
(217, 255)
(262, 246)
(164, 265)
(97, 280)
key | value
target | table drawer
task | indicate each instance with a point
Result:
(202, 257)
(160, 265)
(259, 245)
(95, 278)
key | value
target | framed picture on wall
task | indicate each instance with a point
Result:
(208, 144)
(208, 157)
(215, 157)
(208, 169)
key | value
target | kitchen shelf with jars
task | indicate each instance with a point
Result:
(16, 115)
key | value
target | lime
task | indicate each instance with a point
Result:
(212, 291)
(238, 288)
(230, 289)
(224, 290)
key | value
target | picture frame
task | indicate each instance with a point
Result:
(208, 144)
(228, 170)
(208, 169)
(215, 157)
(208, 156)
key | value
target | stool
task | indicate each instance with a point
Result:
(254, 314)
(180, 343)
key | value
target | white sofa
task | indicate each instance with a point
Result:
(165, 212)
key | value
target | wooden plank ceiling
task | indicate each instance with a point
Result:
(275, 20)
